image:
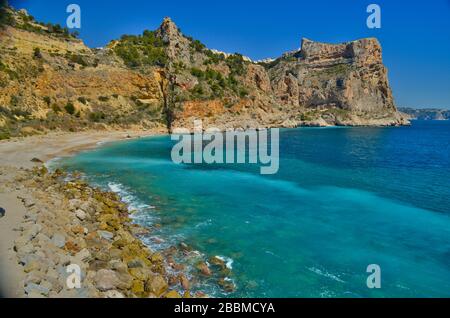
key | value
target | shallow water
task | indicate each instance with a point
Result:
(343, 198)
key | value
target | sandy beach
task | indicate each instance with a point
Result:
(16, 156)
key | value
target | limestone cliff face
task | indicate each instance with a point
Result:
(349, 76)
(51, 80)
(321, 84)
(48, 82)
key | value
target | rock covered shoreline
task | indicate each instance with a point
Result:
(69, 222)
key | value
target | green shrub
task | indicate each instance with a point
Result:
(145, 49)
(96, 116)
(4, 135)
(14, 101)
(56, 108)
(37, 53)
(213, 58)
(197, 45)
(78, 59)
(47, 100)
(70, 108)
(216, 90)
(12, 74)
(82, 100)
(103, 98)
(243, 92)
(197, 72)
(236, 64)
(5, 15)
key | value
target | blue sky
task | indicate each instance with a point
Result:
(415, 35)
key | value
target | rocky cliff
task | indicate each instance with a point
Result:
(50, 80)
(345, 83)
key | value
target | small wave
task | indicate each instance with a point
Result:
(227, 260)
(273, 254)
(204, 223)
(325, 274)
(132, 202)
(327, 294)
(52, 163)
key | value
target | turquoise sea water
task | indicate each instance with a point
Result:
(343, 198)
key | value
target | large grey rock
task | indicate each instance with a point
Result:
(59, 240)
(80, 214)
(106, 235)
(36, 289)
(32, 231)
(74, 204)
(113, 294)
(106, 279)
(83, 255)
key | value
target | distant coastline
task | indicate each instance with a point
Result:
(426, 113)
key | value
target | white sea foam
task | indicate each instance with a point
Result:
(325, 274)
(128, 198)
(204, 223)
(227, 260)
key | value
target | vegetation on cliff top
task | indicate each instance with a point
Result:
(141, 50)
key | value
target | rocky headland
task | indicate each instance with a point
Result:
(50, 81)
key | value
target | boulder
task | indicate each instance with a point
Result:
(36, 160)
(106, 235)
(80, 214)
(106, 279)
(59, 240)
(74, 204)
(35, 289)
(157, 258)
(172, 294)
(156, 284)
(203, 268)
(135, 263)
(137, 287)
(113, 294)
(31, 232)
(184, 281)
(83, 255)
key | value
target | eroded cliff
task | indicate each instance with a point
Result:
(51, 80)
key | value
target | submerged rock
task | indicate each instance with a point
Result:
(203, 268)
(216, 261)
(226, 284)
